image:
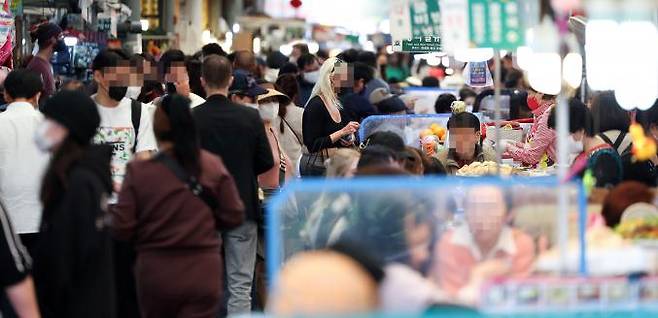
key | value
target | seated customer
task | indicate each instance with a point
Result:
(465, 143)
(596, 155)
(387, 103)
(483, 247)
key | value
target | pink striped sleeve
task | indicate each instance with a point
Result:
(531, 153)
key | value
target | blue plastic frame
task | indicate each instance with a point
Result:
(364, 124)
(273, 242)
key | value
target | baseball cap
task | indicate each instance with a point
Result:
(245, 84)
(386, 102)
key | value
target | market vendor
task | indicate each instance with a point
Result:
(540, 142)
(482, 248)
(597, 156)
(465, 143)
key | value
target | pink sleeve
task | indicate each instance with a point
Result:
(532, 152)
(525, 256)
(451, 271)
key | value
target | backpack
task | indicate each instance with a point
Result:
(136, 117)
(642, 171)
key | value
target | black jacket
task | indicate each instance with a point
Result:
(236, 134)
(73, 269)
(357, 106)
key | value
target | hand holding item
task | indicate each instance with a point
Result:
(351, 128)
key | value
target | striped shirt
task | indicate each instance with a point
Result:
(15, 262)
(540, 141)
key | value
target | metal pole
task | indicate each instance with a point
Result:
(562, 170)
(497, 115)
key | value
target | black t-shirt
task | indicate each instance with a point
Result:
(317, 125)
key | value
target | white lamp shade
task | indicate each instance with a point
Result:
(474, 55)
(523, 57)
(637, 79)
(572, 69)
(600, 50)
(544, 73)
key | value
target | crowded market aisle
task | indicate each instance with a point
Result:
(339, 178)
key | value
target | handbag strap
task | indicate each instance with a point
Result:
(190, 182)
(293, 131)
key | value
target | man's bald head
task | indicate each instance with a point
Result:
(217, 72)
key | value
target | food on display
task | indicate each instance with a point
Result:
(639, 229)
(434, 130)
(430, 145)
(485, 168)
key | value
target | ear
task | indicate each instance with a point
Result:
(37, 97)
(230, 81)
(203, 82)
(98, 76)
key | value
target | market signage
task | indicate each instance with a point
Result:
(416, 25)
(495, 23)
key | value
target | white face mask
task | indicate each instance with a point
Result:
(268, 111)
(312, 77)
(133, 92)
(41, 138)
(575, 147)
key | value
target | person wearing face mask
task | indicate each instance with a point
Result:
(21, 161)
(594, 154)
(124, 123)
(176, 78)
(273, 179)
(244, 90)
(48, 38)
(309, 74)
(72, 268)
(540, 142)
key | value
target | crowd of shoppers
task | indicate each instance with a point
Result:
(176, 166)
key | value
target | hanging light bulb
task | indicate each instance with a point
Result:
(636, 82)
(572, 69)
(601, 47)
(544, 73)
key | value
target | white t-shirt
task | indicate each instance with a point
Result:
(22, 165)
(116, 129)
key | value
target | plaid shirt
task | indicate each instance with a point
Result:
(540, 141)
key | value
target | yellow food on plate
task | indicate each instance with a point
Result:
(486, 168)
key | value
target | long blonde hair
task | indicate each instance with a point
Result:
(323, 87)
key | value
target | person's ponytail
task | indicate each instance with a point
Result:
(182, 133)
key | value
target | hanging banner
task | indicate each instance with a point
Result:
(416, 26)
(495, 23)
(454, 25)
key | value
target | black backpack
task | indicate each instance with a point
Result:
(136, 117)
(642, 171)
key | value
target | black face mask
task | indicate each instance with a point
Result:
(60, 47)
(117, 93)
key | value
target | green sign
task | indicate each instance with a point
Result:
(425, 19)
(16, 7)
(419, 44)
(495, 23)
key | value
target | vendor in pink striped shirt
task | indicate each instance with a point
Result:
(541, 139)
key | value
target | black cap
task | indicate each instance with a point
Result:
(245, 84)
(76, 111)
(390, 105)
(46, 31)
